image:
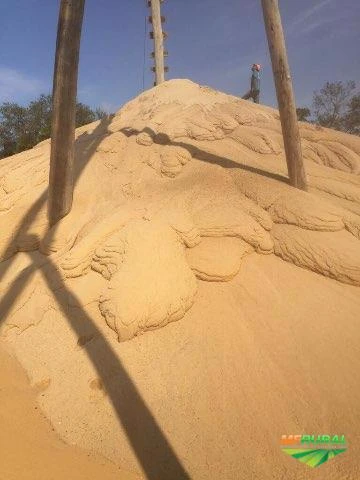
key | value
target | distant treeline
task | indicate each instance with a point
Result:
(336, 105)
(22, 127)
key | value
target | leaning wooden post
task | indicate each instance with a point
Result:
(285, 94)
(158, 41)
(64, 109)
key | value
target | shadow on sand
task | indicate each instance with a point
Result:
(203, 155)
(151, 447)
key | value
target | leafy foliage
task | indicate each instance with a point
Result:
(22, 128)
(352, 118)
(12, 128)
(303, 114)
(336, 105)
(331, 103)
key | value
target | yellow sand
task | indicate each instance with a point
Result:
(30, 450)
(193, 307)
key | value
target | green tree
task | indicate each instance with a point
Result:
(13, 129)
(84, 115)
(100, 114)
(39, 119)
(23, 127)
(331, 103)
(352, 117)
(303, 114)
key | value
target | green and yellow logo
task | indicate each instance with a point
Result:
(313, 450)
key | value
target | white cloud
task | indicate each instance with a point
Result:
(310, 19)
(15, 85)
(310, 26)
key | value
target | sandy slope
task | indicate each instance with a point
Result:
(193, 307)
(30, 450)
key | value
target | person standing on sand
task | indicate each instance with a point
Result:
(254, 92)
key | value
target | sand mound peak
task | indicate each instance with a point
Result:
(182, 182)
(183, 150)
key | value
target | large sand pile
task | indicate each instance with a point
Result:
(30, 450)
(183, 218)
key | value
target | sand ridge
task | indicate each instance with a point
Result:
(183, 184)
(186, 154)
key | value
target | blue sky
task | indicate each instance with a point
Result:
(209, 45)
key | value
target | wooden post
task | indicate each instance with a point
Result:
(158, 41)
(64, 109)
(285, 94)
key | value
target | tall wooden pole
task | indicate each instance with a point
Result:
(64, 109)
(158, 41)
(285, 94)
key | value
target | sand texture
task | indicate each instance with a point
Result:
(193, 306)
(30, 450)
